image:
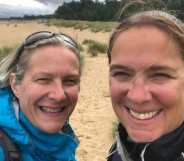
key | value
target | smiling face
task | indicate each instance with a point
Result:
(49, 89)
(147, 83)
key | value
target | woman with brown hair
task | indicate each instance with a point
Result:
(146, 64)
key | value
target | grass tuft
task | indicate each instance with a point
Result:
(95, 47)
(5, 50)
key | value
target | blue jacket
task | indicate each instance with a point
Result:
(34, 144)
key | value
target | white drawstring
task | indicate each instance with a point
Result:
(111, 153)
(143, 152)
(182, 153)
(16, 108)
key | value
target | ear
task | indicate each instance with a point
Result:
(14, 85)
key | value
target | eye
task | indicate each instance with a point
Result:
(43, 80)
(121, 75)
(71, 81)
(161, 76)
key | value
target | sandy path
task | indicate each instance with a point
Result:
(93, 116)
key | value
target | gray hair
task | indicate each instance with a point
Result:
(18, 61)
(162, 20)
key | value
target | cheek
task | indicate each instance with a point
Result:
(29, 96)
(118, 91)
(171, 99)
(169, 95)
(73, 94)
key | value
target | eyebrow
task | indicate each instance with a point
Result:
(161, 68)
(121, 67)
(151, 68)
(43, 73)
(53, 74)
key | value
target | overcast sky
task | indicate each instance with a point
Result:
(14, 8)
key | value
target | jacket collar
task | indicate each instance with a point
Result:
(169, 147)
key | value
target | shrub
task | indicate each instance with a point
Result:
(94, 26)
(88, 41)
(115, 128)
(95, 47)
(80, 47)
(4, 51)
(93, 52)
(82, 61)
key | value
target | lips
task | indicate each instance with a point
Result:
(142, 115)
(52, 110)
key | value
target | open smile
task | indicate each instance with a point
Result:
(145, 115)
(52, 110)
(142, 115)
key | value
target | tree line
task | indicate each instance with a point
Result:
(88, 10)
(113, 10)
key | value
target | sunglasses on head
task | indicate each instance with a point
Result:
(40, 36)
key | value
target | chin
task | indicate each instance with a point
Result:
(143, 138)
(51, 130)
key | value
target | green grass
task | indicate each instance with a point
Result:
(94, 26)
(5, 50)
(80, 47)
(95, 47)
(115, 129)
(88, 41)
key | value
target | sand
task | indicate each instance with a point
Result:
(93, 116)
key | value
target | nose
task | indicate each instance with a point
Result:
(57, 92)
(139, 92)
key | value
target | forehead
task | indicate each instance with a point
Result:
(144, 45)
(144, 32)
(143, 37)
(53, 55)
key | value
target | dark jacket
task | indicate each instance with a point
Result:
(169, 147)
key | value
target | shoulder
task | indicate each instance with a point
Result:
(113, 154)
(8, 150)
(3, 152)
(2, 155)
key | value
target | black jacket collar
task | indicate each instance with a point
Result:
(167, 148)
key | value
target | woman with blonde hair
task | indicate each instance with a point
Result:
(40, 84)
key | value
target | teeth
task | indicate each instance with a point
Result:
(143, 116)
(54, 110)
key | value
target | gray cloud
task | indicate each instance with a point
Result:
(7, 11)
(47, 7)
(54, 2)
